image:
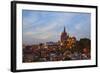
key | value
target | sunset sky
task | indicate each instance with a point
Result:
(44, 26)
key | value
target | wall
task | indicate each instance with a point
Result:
(5, 37)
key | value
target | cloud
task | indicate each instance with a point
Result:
(78, 27)
(46, 26)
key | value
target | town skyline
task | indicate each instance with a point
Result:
(45, 26)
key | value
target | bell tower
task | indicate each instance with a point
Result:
(64, 35)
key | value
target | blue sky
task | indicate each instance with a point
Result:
(44, 26)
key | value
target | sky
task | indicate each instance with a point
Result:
(44, 26)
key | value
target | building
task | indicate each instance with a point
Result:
(64, 35)
(63, 40)
(67, 41)
(71, 41)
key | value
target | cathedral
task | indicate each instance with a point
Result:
(64, 35)
(66, 40)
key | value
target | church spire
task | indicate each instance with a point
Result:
(64, 35)
(64, 29)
